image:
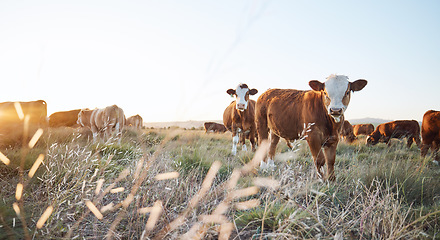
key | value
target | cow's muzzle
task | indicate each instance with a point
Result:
(241, 106)
(336, 112)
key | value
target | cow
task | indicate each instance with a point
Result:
(214, 127)
(14, 115)
(347, 132)
(239, 117)
(35, 110)
(363, 129)
(316, 115)
(135, 121)
(396, 129)
(64, 118)
(103, 122)
(430, 133)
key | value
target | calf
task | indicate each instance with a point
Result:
(396, 129)
(135, 121)
(347, 132)
(363, 129)
(239, 117)
(214, 127)
(291, 114)
(430, 133)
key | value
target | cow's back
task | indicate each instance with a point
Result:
(363, 129)
(286, 111)
(64, 118)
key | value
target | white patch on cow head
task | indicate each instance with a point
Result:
(241, 94)
(241, 97)
(337, 95)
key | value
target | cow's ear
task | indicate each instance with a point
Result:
(316, 85)
(230, 92)
(358, 85)
(253, 91)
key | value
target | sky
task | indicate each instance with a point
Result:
(173, 60)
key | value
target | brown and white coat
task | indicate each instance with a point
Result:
(287, 113)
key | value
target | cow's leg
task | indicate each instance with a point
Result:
(418, 142)
(409, 142)
(434, 149)
(262, 134)
(252, 138)
(118, 132)
(262, 129)
(274, 139)
(424, 149)
(95, 132)
(330, 156)
(318, 156)
(235, 140)
(243, 140)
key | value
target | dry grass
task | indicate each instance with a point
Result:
(176, 184)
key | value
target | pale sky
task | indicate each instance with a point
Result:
(173, 60)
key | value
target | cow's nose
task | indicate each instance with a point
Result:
(335, 111)
(240, 105)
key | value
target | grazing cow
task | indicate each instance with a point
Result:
(12, 131)
(347, 132)
(396, 129)
(239, 117)
(315, 115)
(431, 133)
(214, 127)
(363, 129)
(135, 121)
(64, 118)
(36, 110)
(103, 121)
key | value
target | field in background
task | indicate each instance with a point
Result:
(380, 192)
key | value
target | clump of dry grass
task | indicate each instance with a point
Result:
(139, 189)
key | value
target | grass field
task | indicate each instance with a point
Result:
(174, 183)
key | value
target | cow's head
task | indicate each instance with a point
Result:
(84, 117)
(241, 94)
(373, 138)
(336, 92)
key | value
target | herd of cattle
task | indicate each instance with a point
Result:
(103, 123)
(317, 116)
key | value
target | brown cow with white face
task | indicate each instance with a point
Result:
(363, 129)
(431, 133)
(239, 117)
(287, 113)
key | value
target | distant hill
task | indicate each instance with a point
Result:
(181, 124)
(374, 121)
(199, 124)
